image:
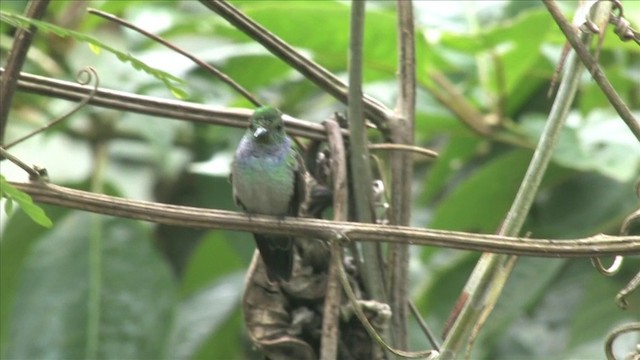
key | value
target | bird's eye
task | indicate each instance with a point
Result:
(279, 127)
(252, 126)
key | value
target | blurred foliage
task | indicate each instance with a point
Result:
(95, 286)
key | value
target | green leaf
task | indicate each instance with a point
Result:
(17, 239)
(202, 271)
(481, 201)
(600, 142)
(24, 22)
(179, 93)
(330, 51)
(529, 281)
(26, 204)
(509, 59)
(582, 205)
(94, 287)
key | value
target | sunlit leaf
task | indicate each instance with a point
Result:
(95, 49)
(103, 289)
(26, 204)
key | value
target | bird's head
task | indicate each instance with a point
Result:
(266, 125)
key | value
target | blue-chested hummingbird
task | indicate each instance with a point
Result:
(268, 178)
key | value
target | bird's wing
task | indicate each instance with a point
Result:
(299, 182)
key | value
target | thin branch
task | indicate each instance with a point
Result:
(91, 74)
(33, 172)
(333, 296)
(591, 64)
(193, 217)
(154, 106)
(446, 93)
(424, 326)
(402, 133)
(403, 147)
(487, 280)
(217, 73)
(320, 76)
(21, 44)
(361, 177)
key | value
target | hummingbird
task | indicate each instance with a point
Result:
(267, 177)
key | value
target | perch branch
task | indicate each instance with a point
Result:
(597, 245)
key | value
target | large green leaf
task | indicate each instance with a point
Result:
(212, 259)
(201, 315)
(527, 284)
(330, 51)
(480, 202)
(94, 287)
(18, 237)
(582, 206)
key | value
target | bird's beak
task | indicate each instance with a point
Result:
(260, 132)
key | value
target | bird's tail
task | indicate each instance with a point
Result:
(277, 254)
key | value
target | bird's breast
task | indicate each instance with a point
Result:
(263, 184)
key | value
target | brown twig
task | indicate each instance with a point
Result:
(402, 133)
(403, 147)
(154, 106)
(571, 33)
(91, 73)
(21, 44)
(320, 76)
(424, 326)
(333, 297)
(360, 169)
(33, 173)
